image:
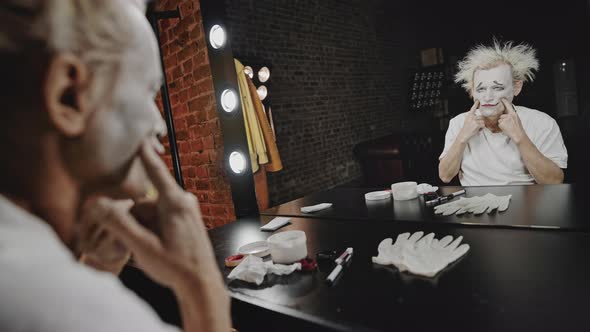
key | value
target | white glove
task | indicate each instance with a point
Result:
(392, 254)
(430, 256)
(476, 205)
(425, 256)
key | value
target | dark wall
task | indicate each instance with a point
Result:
(338, 73)
(558, 30)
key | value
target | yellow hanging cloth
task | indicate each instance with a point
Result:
(274, 159)
(254, 134)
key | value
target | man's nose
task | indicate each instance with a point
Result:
(488, 95)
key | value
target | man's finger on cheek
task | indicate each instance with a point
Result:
(508, 108)
(474, 106)
(157, 170)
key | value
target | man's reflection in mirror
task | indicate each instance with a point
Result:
(497, 142)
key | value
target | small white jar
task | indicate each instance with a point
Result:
(288, 247)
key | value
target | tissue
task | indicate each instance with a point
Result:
(253, 269)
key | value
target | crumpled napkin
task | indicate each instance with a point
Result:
(424, 256)
(253, 269)
(424, 188)
(476, 205)
(315, 208)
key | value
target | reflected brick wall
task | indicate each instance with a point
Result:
(198, 132)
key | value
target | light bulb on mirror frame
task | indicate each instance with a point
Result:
(249, 72)
(262, 92)
(263, 74)
(237, 162)
(229, 100)
(217, 36)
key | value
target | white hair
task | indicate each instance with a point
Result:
(521, 58)
(97, 31)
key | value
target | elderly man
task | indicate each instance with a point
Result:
(79, 119)
(497, 143)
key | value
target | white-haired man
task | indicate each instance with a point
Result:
(79, 119)
(497, 143)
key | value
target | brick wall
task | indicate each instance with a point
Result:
(198, 133)
(339, 76)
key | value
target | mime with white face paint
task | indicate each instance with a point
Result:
(496, 142)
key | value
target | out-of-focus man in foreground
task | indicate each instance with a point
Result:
(79, 119)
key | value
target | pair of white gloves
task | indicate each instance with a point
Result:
(476, 205)
(424, 256)
(253, 269)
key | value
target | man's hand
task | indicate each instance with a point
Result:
(472, 125)
(170, 244)
(510, 123)
(450, 165)
(167, 236)
(99, 248)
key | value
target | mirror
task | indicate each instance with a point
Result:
(344, 73)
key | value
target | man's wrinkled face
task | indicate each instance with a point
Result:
(117, 132)
(490, 86)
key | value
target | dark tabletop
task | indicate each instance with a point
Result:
(510, 280)
(537, 206)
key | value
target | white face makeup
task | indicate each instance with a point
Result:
(117, 132)
(490, 86)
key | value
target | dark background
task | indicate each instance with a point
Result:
(340, 71)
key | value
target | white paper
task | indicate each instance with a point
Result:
(276, 223)
(315, 208)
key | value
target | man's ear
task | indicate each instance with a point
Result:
(64, 91)
(518, 87)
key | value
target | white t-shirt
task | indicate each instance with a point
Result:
(43, 288)
(493, 158)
